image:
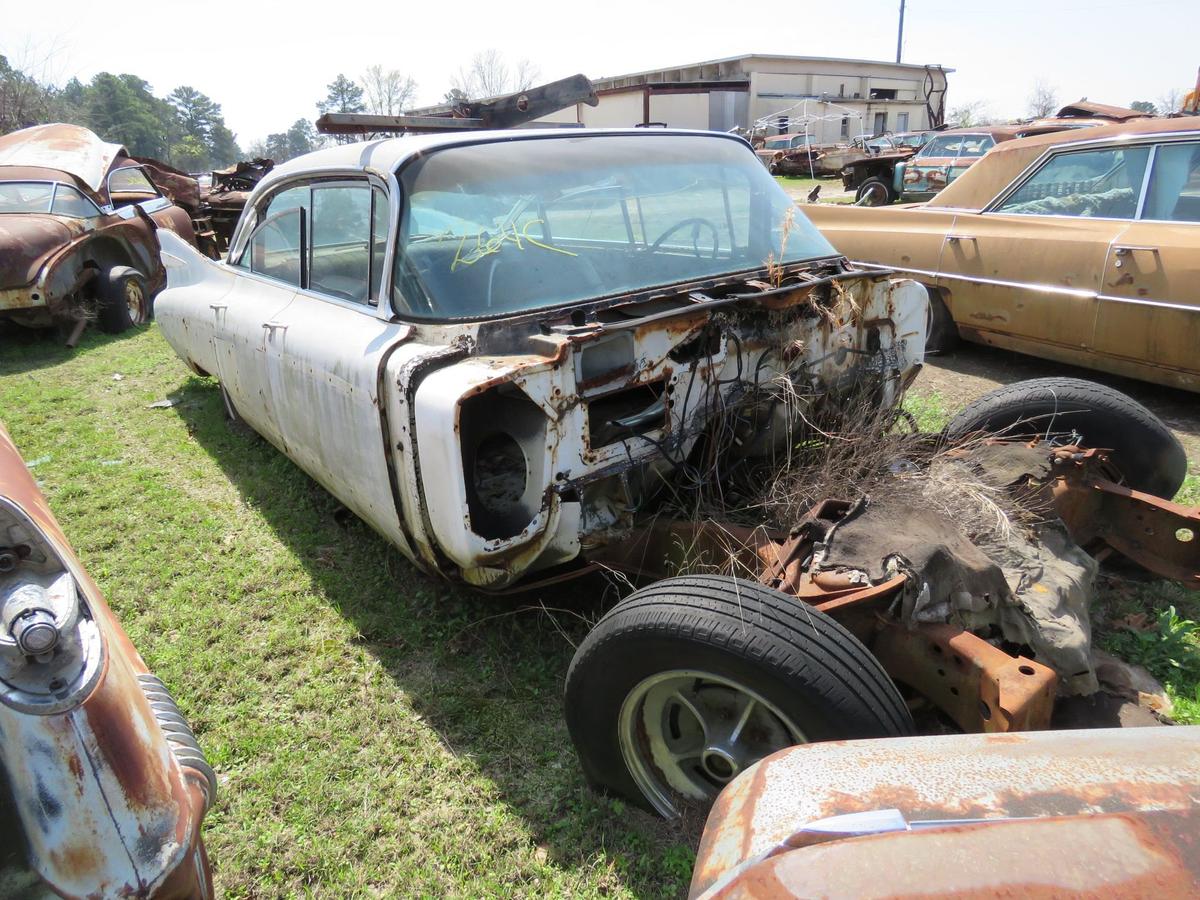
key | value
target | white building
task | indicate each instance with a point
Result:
(835, 98)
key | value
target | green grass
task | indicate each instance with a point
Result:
(376, 732)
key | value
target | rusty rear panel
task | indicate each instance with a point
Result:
(106, 808)
(1055, 773)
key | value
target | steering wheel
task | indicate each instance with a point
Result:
(696, 224)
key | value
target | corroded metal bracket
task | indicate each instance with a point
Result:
(979, 686)
(1161, 536)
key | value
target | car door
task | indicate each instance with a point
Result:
(1027, 270)
(324, 355)
(246, 322)
(1149, 309)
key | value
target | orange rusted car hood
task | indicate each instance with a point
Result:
(1078, 813)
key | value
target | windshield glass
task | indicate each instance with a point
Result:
(958, 145)
(512, 226)
(25, 196)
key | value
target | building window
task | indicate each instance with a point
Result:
(902, 121)
(880, 122)
(842, 89)
(883, 93)
(845, 126)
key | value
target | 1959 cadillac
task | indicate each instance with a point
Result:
(518, 355)
(504, 350)
(491, 348)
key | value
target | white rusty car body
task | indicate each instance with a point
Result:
(492, 347)
(102, 785)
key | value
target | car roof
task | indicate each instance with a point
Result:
(388, 154)
(67, 148)
(976, 187)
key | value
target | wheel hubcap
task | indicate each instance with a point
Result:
(135, 301)
(687, 733)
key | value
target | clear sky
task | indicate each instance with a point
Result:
(268, 63)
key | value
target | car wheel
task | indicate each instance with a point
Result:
(941, 335)
(124, 301)
(691, 680)
(1148, 455)
(874, 192)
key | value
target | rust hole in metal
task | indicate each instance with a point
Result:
(1026, 670)
(954, 691)
(1185, 535)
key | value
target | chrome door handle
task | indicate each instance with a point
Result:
(217, 307)
(1120, 251)
(271, 326)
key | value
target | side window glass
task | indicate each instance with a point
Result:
(379, 234)
(276, 247)
(130, 180)
(1174, 192)
(69, 202)
(341, 242)
(1088, 183)
(292, 198)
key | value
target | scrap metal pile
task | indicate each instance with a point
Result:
(968, 566)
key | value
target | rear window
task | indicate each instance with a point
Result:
(25, 196)
(513, 226)
(957, 145)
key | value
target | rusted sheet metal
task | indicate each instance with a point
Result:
(70, 148)
(1144, 854)
(505, 111)
(766, 810)
(1157, 534)
(110, 791)
(178, 186)
(979, 686)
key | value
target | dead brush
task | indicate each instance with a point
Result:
(853, 451)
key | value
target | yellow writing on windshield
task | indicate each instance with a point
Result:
(486, 244)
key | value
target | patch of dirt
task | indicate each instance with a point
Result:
(962, 375)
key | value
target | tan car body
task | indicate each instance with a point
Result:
(1117, 294)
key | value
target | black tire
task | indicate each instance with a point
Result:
(942, 333)
(799, 661)
(869, 193)
(124, 301)
(1149, 456)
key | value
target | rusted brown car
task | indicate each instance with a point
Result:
(102, 784)
(798, 154)
(1108, 813)
(1078, 246)
(79, 221)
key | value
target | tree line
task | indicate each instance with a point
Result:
(187, 129)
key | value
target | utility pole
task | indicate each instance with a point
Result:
(900, 36)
